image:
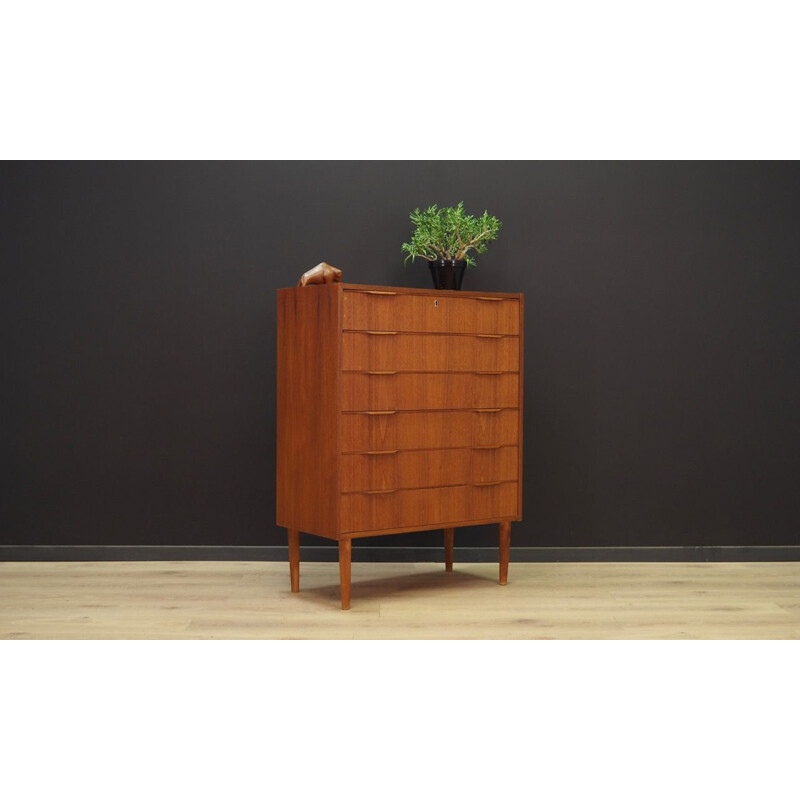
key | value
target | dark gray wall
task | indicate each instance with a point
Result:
(662, 340)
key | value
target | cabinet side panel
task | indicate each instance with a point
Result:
(521, 408)
(308, 409)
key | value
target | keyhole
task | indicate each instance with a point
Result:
(436, 303)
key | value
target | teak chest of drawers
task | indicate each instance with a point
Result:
(398, 410)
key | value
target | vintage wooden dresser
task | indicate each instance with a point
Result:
(398, 410)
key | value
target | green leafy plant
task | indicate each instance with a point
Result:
(449, 233)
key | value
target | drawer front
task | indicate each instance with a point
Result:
(412, 469)
(363, 391)
(429, 352)
(431, 507)
(382, 311)
(415, 430)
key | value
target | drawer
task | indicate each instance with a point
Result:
(434, 313)
(431, 507)
(429, 352)
(415, 430)
(412, 469)
(363, 391)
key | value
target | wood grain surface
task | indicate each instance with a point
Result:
(423, 430)
(435, 506)
(253, 600)
(308, 412)
(413, 469)
(429, 352)
(415, 391)
(433, 312)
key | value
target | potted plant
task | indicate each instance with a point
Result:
(449, 239)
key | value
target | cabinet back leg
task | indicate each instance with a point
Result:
(505, 547)
(345, 549)
(294, 559)
(448, 549)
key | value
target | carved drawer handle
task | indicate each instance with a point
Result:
(380, 413)
(492, 299)
(491, 483)
(375, 291)
(381, 491)
(382, 372)
(487, 446)
(489, 335)
(381, 333)
(381, 452)
(486, 410)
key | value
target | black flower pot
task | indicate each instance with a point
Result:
(447, 273)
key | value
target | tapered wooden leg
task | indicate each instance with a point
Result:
(448, 549)
(505, 546)
(345, 549)
(294, 559)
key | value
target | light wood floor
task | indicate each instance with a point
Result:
(242, 600)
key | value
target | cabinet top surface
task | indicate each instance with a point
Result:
(361, 287)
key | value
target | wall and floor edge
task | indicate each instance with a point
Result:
(327, 553)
